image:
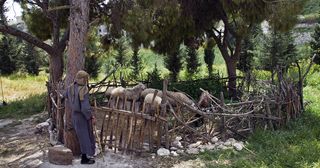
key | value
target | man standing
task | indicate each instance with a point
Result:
(82, 118)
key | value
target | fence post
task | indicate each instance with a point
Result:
(164, 110)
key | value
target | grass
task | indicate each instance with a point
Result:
(21, 86)
(296, 145)
(25, 95)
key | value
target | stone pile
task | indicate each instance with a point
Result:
(177, 148)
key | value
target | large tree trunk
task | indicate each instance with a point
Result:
(56, 67)
(79, 18)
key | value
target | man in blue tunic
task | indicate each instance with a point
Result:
(82, 118)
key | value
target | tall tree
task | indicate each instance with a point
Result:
(43, 13)
(79, 22)
(192, 56)
(8, 54)
(315, 43)
(29, 59)
(209, 55)
(228, 22)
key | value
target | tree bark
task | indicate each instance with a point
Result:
(232, 75)
(79, 18)
(56, 67)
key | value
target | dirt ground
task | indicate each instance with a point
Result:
(21, 148)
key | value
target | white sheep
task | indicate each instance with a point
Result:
(108, 91)
(152, 100)
(150, 90)
(129, 93)
(134, 93)
(118, 92)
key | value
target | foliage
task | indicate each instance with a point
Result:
(29, 59)
(154, 78)
(136, 63)
(174, 64)
(191, 87)
(311, 7)
(213, 85)
(8, 55)
(192, 61)
(280, 52)
(92, 65)
(315, 43)
(37, 22)
(93, 53)
(209, 55)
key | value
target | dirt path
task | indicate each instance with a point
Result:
(21, 148)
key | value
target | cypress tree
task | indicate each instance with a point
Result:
(315, 43)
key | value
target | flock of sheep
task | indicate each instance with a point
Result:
(149, 96)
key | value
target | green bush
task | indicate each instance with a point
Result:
(192, 88)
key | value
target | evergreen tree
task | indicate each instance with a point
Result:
(315, 43)
(192, 58)
(209, 55)
(92, 65)
(28, 60)
(246, 56)
(279, 52)
(8, 53)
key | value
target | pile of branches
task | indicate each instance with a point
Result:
(269, 107)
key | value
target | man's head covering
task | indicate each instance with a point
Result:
(81, 79)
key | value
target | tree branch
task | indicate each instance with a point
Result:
(25, 36)
(309, 67)
(238, 48)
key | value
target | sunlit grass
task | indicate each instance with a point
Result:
(17, 87)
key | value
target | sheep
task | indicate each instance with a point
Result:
(150, 90)
(108, 91)
(118, 92)
(128, 93)
(134, 93)
(152, 99)
(181, 96)
(204, 100)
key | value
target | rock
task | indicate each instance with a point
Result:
(173, 148)
(177, 144)
(232, 140)
(219, 143)
(174, 153)
(53, 138)
(210, 147)
(195, 145)
(202, 150)
(192, 151)
(153, 155)
(227, 143)
(238, 146)
(214, 140)
(178, 138)
(163, 152)
(180, 151)
(60, 156)
(222, 147)
(202, 146)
